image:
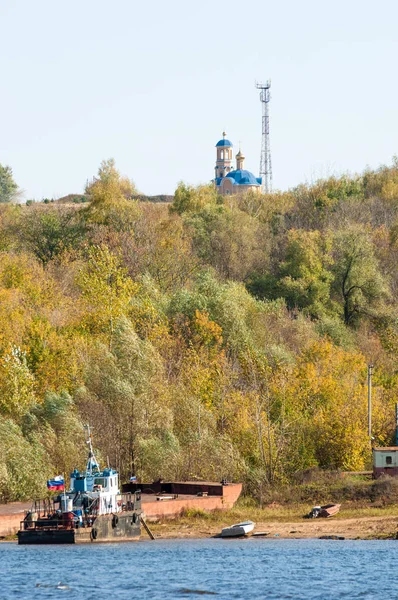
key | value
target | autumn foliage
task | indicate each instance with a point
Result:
(213, 338)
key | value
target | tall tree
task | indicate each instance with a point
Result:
(305, 281)
(190, 199)
(107, 290)
(358, 283)
(302, 277)
(230, 240)
(47, 233)
(110, 196)
(8, 187)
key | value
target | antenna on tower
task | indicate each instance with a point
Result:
(265, 160)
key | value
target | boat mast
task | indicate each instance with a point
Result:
(92, 461)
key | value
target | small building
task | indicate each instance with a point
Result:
(233, 181)
(385, 461)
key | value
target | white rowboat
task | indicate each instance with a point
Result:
(238, 530)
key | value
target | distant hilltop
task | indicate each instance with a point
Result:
(160, 198)
(81, 198)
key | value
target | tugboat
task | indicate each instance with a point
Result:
(92, 510)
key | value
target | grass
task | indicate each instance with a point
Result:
(8, 538)
(283, 513)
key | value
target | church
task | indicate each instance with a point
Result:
(233, 181)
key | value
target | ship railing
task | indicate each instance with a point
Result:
(129, 501)
(43, 507)
(46, 524)
(43, 524)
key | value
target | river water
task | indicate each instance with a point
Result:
(223, 569)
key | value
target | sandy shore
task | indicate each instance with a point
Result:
(353, 528)
(364, 528)
(358, 522)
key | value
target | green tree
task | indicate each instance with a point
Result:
(125, 397)
(302, 278)
(24, 466)
(47, 233)
(358, 283)
(230, 240)
(61, 430)
(305, 280)
(8, 187)
(190, 199)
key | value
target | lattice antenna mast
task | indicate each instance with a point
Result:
(265, 160)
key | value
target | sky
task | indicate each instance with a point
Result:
(154, 84)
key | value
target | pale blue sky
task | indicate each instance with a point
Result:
(153, 84)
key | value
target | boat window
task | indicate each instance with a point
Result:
(100, 481)
(388, 460)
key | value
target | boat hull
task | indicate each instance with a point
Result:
(329, 510)
(106, 528)
(238, 530)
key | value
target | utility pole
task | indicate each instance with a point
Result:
(199, 431)
(396, 424)
(370, 373)
(265, 160)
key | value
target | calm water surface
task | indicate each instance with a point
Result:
(223, 569)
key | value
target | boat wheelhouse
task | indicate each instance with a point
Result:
(93, 509)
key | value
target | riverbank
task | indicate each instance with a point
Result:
(352, 522)
(354, 528)
(356, 520)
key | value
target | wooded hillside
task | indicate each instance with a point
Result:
(212, 338)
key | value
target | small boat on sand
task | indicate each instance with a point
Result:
(328, 510)
(238, 530)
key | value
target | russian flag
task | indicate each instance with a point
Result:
(56, 484)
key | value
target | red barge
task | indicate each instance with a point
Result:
(170, 499)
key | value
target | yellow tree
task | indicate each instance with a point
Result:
(16, 384)
(106, 289)
(110, 196)
(190, 199)
(328, 387)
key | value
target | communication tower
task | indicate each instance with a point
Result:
(265, 160)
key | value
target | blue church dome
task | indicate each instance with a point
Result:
(224, 142)
(243, 177)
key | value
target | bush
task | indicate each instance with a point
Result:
(195, 513)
